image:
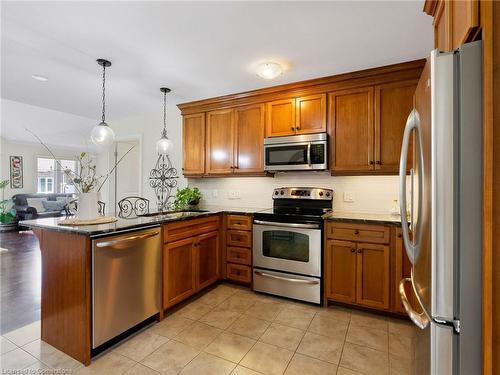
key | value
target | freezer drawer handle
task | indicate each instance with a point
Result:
(420, 320)
(287, 225)
(300, 281)
(126, 239)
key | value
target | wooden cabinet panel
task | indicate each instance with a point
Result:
(239, 238)
(340, 271)
(358, 232)
(207, 259)
(178, 271)
(239, 255)
(189, 228)
(311, 114)
(237, 272)
(239, 222)
(280, 118)
(441, 28)
(402, 269)
(220, 142)
(372, 284)
(464, 19)
(193, 139)
(351, 130)
(249, 142)
(393, 104)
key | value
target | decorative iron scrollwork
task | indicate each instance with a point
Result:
(133, 206)
(163, 179)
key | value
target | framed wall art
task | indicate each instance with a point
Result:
(16, 172)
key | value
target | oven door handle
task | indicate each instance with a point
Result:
(287, 225)
(300, 281)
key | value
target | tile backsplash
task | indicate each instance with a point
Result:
(351, 193)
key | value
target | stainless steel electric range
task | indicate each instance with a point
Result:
(288, 243)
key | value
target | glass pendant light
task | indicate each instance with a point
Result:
(164, 145)
(102, 134)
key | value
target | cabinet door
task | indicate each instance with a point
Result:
(207, 259)
(464, 19)
(340, 271)
(220, 142)
(402, 270)
(351, 130)
(372, 285)
(393, 104)
(193, 139)
(311, 114)
(441, 27)
(249, 145)
(178, 271)
(280, 118)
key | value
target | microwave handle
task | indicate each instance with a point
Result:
(309, 154)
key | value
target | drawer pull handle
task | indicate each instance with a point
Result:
(356, 232)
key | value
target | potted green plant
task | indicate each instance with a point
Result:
(187, 198)
(7, 213)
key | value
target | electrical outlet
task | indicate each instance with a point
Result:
(348, 197)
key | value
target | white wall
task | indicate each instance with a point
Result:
(29, 152)
(370, 193)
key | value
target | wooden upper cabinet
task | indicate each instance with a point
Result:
(280, 118)
(373, 277)
(351, 130)
(310, 114)
(220, 141)
(455, 22)
(207, 259)
(193, 139)
(393, 104)
(340, 271)
(249, 142)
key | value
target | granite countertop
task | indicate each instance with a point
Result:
(360, 217)
(124, 224)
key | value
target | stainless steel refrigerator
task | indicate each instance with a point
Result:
(443, 238)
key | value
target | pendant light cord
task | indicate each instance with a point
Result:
(104, 93)
(164, 133)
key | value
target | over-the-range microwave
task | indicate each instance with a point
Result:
(307, 152)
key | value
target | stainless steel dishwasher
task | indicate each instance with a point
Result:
(126, 283)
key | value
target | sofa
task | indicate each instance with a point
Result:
(27, 212)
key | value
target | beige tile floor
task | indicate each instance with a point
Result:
(231, 330)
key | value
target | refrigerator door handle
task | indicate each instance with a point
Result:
(421, 320)
(412, 247)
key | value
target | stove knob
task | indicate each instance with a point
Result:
(282, 192)
(276, 192)
(320, 193)
(327, 193)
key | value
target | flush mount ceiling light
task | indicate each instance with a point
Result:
(39, 77)
(102, 134)
(164, 144)
(269, 70)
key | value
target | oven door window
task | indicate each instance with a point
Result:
(286, 155)
(287, 245)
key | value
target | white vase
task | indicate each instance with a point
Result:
(88, 206)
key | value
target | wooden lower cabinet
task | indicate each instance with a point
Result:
(190, 264)
(372, 275)
(239, 248)
(207, 259)
(179, 280)
(340, 271)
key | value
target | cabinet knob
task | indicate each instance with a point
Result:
(292, 127)
(378, 162)
(356, 232)
(353, 250)
(400, 235)
(370, 162)
(360, 251)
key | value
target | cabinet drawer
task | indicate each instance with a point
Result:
(239, 222)
(239, 273)
(239, 255)
(239, 238)
(358, 232)
(189, 228)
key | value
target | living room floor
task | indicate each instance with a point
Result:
(20, 278)
(231, 330)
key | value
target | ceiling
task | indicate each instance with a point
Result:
(198, 49)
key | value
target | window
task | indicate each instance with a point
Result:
(51, 177)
